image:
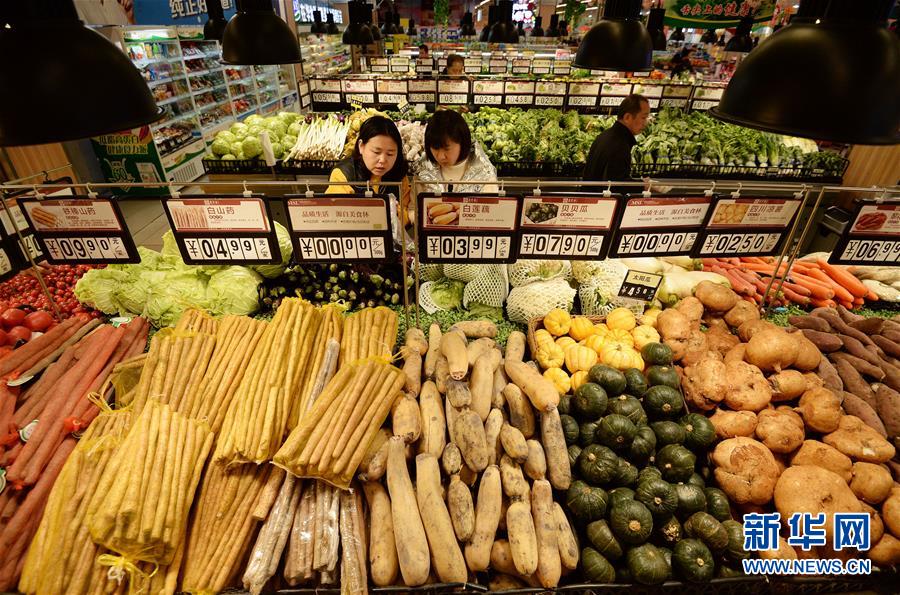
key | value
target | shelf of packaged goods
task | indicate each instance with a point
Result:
(207, 106)
(203, 90)
(178, 78)
(246, 113)
(144, 62)
(175, 120)
(212, 56)
(175, 99)
(199, 72)
(269, 88)
(242, 81)
(168, 151)
(242, 95)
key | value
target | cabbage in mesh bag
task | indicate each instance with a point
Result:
(523, 272)
(463, 272)
(430, 272)
(490, 287)
(538, 298)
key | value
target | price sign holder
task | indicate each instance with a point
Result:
(472, 228)
(14, 250)
(872, 236)
(571, 226)
(223, 229)
(659, 225)
(339, 227)
(640, 286)
(738, 225)
(425, 66)
(80, 229)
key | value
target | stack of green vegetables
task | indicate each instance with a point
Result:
(640, 496)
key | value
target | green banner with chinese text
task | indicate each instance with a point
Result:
(716, 14)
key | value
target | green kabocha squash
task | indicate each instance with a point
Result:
(707, 529)
(699, 431)
(643, 446)
(657, 354)
(667, 432)
(724, 571)
(717, 504)
(648, 473)
(658, 496)
(626, 474)
(693, 561)
(616, 431)
(587, 433)
(691, 499)
(696, 480)
(596, 568)
(663, 401)
(735, 550)
(574, 451)
(628, 406)
(647, 565)
(635, 382)
(631, 522)
(667, 554)
(623, 575)
(675, 462)
(586, 503)
(589, 402)
(602, 538)
(570, 429)
(612, 380)
(620, 494)
(663, 376)
(597, 464)
(565, 405)
(669, 531)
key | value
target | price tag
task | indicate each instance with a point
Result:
(659, 226)
(472, 65)
(521, 66)
(703, 105)
(378, 64)
(745, 226)
(519, 100)
(541, 66)
(322, 97)
(85, 230)
(578, 101)
(677, 91)
(710, 93)
(404, 107)
(570, 227)
(673, 102)
(616, 89)
(351, 228)
(562, 67)
(640, 286)
(29, 245)
(488, 99)
(497, 65)
(424, 66)
(473, 228)
(872, 236)
(400, 64)
(454, 98)
(356, 102)
(232, 230)
(327, 85)
(648, 90)
(549, 100)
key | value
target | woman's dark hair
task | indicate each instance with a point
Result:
(451, 59)
(445, 126)
(380, 126)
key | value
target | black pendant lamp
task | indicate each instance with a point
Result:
(411, 30)
(553, 31)
(357, 32)
(677, 35)
(256, 35)
(655, 22)
(492, 19)
(504, 30)
(741, 41)
(215, 26)
(832, 74)
(520, 30)
(331, 27)
(537, 30)
(367, 12)
(709, 36)
(467, 25)
(78, 86)
(318, 27)
(389, 27)
(620, 40)
(563, 28)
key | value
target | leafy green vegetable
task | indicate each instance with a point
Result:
(447, 293)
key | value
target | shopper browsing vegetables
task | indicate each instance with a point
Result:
(452, 156)
(610, 156)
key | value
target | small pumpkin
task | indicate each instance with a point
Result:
(635, 382)
(644, 335)
(542, 337)
(565, 405)
(647, 565)
(550, 355)
(657, 354)
(675, 462)
(667, 432)
(578, 379)
(574, 450)
(699, 431)
(595, 342)
(631, 522)
(643, 446)
(596, 568)
(626, 474)
(600, 329)
(735, 550)
(561, 381)
(663, 401)
(590, 401)
(616, 431)
(669, 531)
(613, 381)
(658, 496)
(597, 464)
(579, 357)
(557, 322)
(697, 480)
(620, 356)
(587, 433)
(621, 319)
(717, 504)
(724, 571)
(620, 336)
(707, 529)
(620, 494)
(628, 406)
(602, 538)
(581, 328)
(667, 554)
(663, 375)
(587, 503)
(693, 561)
(649, 317)
(691, 499)
(570, 428)
(566, 342)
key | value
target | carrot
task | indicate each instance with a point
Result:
(794, 296)
(816, 289)
(38, 345)
(872, 296)
(738, 283)
(797, 288)
(753, 259)
(840, 291)
(7, 407)
(820, 303)
(859, 301)
(841, 276)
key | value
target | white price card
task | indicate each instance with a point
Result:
(6, 266)
(325, 228)
(400, 64)
(453, 98)
(746, 226)
(378, 64)
(465, 227)
(233, 230)
(549, 100)
(518, 100)
(566, 226)
(872, 236)
(659, 226)
(738, 243)
(88, 230)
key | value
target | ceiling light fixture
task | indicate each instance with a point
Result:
(655, 22)
(357, 32)
(256, 35)
(504, 31)
(620, 40)
(215, 25)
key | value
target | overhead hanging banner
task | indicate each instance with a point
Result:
(716, 14)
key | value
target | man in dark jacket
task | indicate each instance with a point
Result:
(610, 156)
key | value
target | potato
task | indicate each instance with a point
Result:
(876, 525)
(730, 424)
(813, 452)
(784, 551)
(721, 340)
(890, 512)
(751, 327)
(886, 552)
(871, 483)
(742, 312)
(772, 349)
(787, 385)
(829, 376)
(887, 402)
(692, 308)
(703, 384)
(746, 387)
(714, 321)
(745, 470)
(697, 348)
(675, 329)
(814, 490)
(808, 355)
(736, 353)
(813, 380)
(781, 431)
(716, 297)
(820, 409)
(854, 405)
(858, 441)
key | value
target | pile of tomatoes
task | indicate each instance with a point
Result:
(24, 292)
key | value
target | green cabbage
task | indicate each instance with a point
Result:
(447, 293)
(270, 271)
(226, 136)
(254, 119)
(239, 130)
(220, 147)
(173, 294)
(276, 128)
(97, 288)
(233, 291)
(251, 147)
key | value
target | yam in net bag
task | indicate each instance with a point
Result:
(523, 272)
(538, 298)
(490, 287)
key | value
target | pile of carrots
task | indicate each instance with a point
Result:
(809, 283)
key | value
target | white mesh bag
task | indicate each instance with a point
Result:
(463, 272)
(523, 272)
(538, 298)
(430, 272)
(599, 293)
(425, 300)
(583, 270)
(490, 287)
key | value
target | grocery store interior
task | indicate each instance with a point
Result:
(449, 296)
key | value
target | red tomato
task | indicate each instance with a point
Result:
(19, 333)
(12, 317)
(4, 338)
(39, 321)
